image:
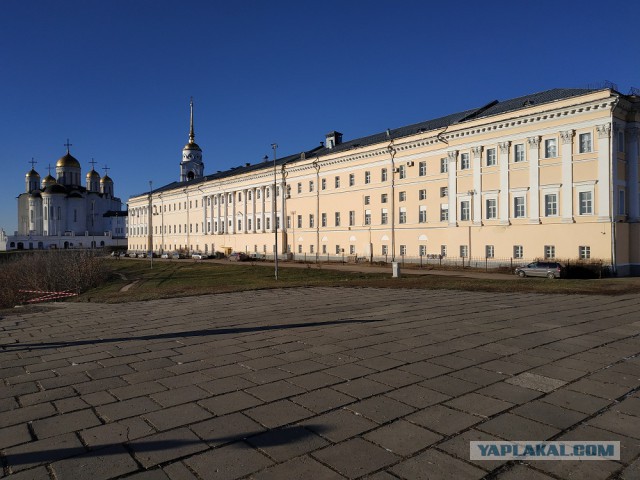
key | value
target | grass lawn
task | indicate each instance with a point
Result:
(133, 280)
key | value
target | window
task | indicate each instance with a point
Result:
(620, 141)
(464, 161)
(337, 219)
(443, 251)
(403, 215)
(465, 210)
(311, 185)
(337, 182)
(464, 251)
(491, 208)
(422, 169)
(367, 217)
(258, 224)
(311, 248)
(324, 249)
(367, 177)
(249, 223)
(519, 152)
(299, 248)
(352, 179)
(403, 250)
(549, 251)
(489, 251)
(267, 193)
(402, 196)
(385, 250)
(518, 251)
(239, 226)
(621, 203)
(584, 252)
(422, 215)
(267, 222)
(550, 148)
(299, 221)
(444, 213)
(249, 196)
(551, 205)
(312, 221)
(402, 171)
(444, 165)
(323, 184)
(367, 199)
(352, 249)
(422, 194)
(444, 191)
(324, 219)
(585, 142)
(586, 204)
(384, 217)
(258, 194)
(383, 175)
(491, 157)
(337, 249)
(352, 218)
(299, 187)
(518, 207)
(383, 198)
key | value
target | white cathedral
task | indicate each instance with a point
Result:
(60, 213)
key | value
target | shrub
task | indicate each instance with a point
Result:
(54, 271)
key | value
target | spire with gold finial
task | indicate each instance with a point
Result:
(192, 136)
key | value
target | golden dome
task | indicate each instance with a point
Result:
(192, 146)
(48, 180)
(32, 174)
(93, 174)
(106, 179)
(68, 161)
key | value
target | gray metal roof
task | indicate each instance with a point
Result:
(494, 107)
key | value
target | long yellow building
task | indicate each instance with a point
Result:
(548, 175)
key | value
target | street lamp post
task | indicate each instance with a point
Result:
(274, 146)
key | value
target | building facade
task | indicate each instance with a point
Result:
(547, 175)
(60, 213)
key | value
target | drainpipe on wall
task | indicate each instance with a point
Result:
(611, 189)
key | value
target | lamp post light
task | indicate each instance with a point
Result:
(274, 146)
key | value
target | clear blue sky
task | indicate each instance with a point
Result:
(115, 76)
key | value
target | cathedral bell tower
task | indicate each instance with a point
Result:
(191, 166)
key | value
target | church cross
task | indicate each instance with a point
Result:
(49, 167)
(106, 169)
(93, 164)
(68, 145)
(33, 163)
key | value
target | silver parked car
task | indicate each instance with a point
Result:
(541, 269)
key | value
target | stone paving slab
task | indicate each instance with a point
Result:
(317, 383)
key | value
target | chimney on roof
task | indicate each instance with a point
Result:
(333, 138)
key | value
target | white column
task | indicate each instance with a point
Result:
(211, 213)
(244, 210)
(253, 210)
(225, 223)
(219, 212)
(566, 191)
(204, 215)
(477, 184)
(452, 158)
(604, 179)
(504, 182)
(262, 213)
(631, 149)
(234, 200)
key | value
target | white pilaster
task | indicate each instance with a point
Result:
(452, 158)
(604, 166)
(244, 210)
(503, 201)
(262, 211)
(534, 179)
(632, 138)
(566, 191)
(253, 210)
(477, 184)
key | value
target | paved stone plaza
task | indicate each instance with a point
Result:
(317, 383)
